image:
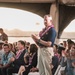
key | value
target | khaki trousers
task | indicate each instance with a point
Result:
(44, 61)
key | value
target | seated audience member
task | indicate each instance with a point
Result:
(70, 68)
(61, 50)
(18, 60)
(3, 36)
(55, 59)
(30, 59)
(1, 50)
(67, 61)
(6, 59)
(15, 48)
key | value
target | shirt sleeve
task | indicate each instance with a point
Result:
(52, 35)
(10, 55)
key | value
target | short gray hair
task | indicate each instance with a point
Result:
(50, 17)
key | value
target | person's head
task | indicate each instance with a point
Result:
(1, 30)
(10, 46)
(33, 48)
(27, 45)
(72, 52)
(64, 44)
(6, 48)
(47, 20)
(71, 43)
(20, 45)
(61, 48)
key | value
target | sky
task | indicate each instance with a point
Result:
(11, 18)
(70, 27)
(20, 19)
